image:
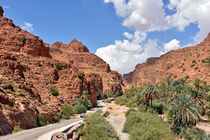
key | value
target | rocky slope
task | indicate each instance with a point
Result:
(28, 70)
(191, 61)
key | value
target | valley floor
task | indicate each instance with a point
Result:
(117, 118)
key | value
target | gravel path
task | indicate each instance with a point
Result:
(117, 118)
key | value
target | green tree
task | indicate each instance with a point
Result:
(185, 110)
(150, 93)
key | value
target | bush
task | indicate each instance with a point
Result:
(196, 68)
(54, 91)
(82, 105)
(146, 126)
(183, 69)
(23, 39)
(68, 110)
(187, 77)
(106, 114)
(194, 61)
(192, 134)
(58, 116)
(80, 75)
(17, 129)
(192, 65)
(41, 120)
(132, 102)
(121, 100)
(38, 63)
(108, 101)
(23, 67)
(99, 111)
(80, 108)
(96, 127)
(157, 108)
(58, 65)
(129, 111)
(85, 102)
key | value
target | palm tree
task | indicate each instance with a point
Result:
(150, 93)
(85, 95)
(185, 110)
(197, 83)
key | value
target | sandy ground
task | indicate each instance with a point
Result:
(117, 118)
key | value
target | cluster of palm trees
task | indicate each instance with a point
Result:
(187, 101)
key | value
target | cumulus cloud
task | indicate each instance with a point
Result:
(128, 35)
(172, 45)
(124, 55)
(190, 11)
(144, 16)
(141, 15)
(28, 27)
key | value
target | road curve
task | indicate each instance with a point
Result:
(40, 133)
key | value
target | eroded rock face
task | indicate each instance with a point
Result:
(28, 70)
(88, 63)
(15, 39)
(176, 63)
(1, 11)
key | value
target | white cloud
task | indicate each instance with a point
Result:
(172, 45)
(6, 7)
(128, 35)
(28, 27)
(144, 16)
(191, 11)
(124, 55)
(141, 15)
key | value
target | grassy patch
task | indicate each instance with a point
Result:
(145, 126)
(54, 91)
(96, 127)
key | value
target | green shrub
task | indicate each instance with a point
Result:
(106, 114)
(17, 129)
(203, 61)
(96, 127)
(58, 116)
(129, 111)
(187, 77)
(196, 68)
(108, 101)
(41, 120)
(80, 75)
(99, 111)
(68, 110)
(23, 67)
(23, 39)
(54, 91)
(58, 65)
(80, 108)
(38, 63)
(144, 126)
(192, 134)
(194, 61)
(85, 102)
(183, 69)
(192, 65)
(132, 102)
(121, 100)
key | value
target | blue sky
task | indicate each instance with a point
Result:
(122, 32)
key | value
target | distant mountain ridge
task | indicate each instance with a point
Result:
(192, 61)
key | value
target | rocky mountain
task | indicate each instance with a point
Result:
(192, 61)
(29, 68)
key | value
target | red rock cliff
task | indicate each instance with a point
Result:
(177, 64)
(28, 70)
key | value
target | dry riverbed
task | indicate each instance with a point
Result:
(117, 118)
